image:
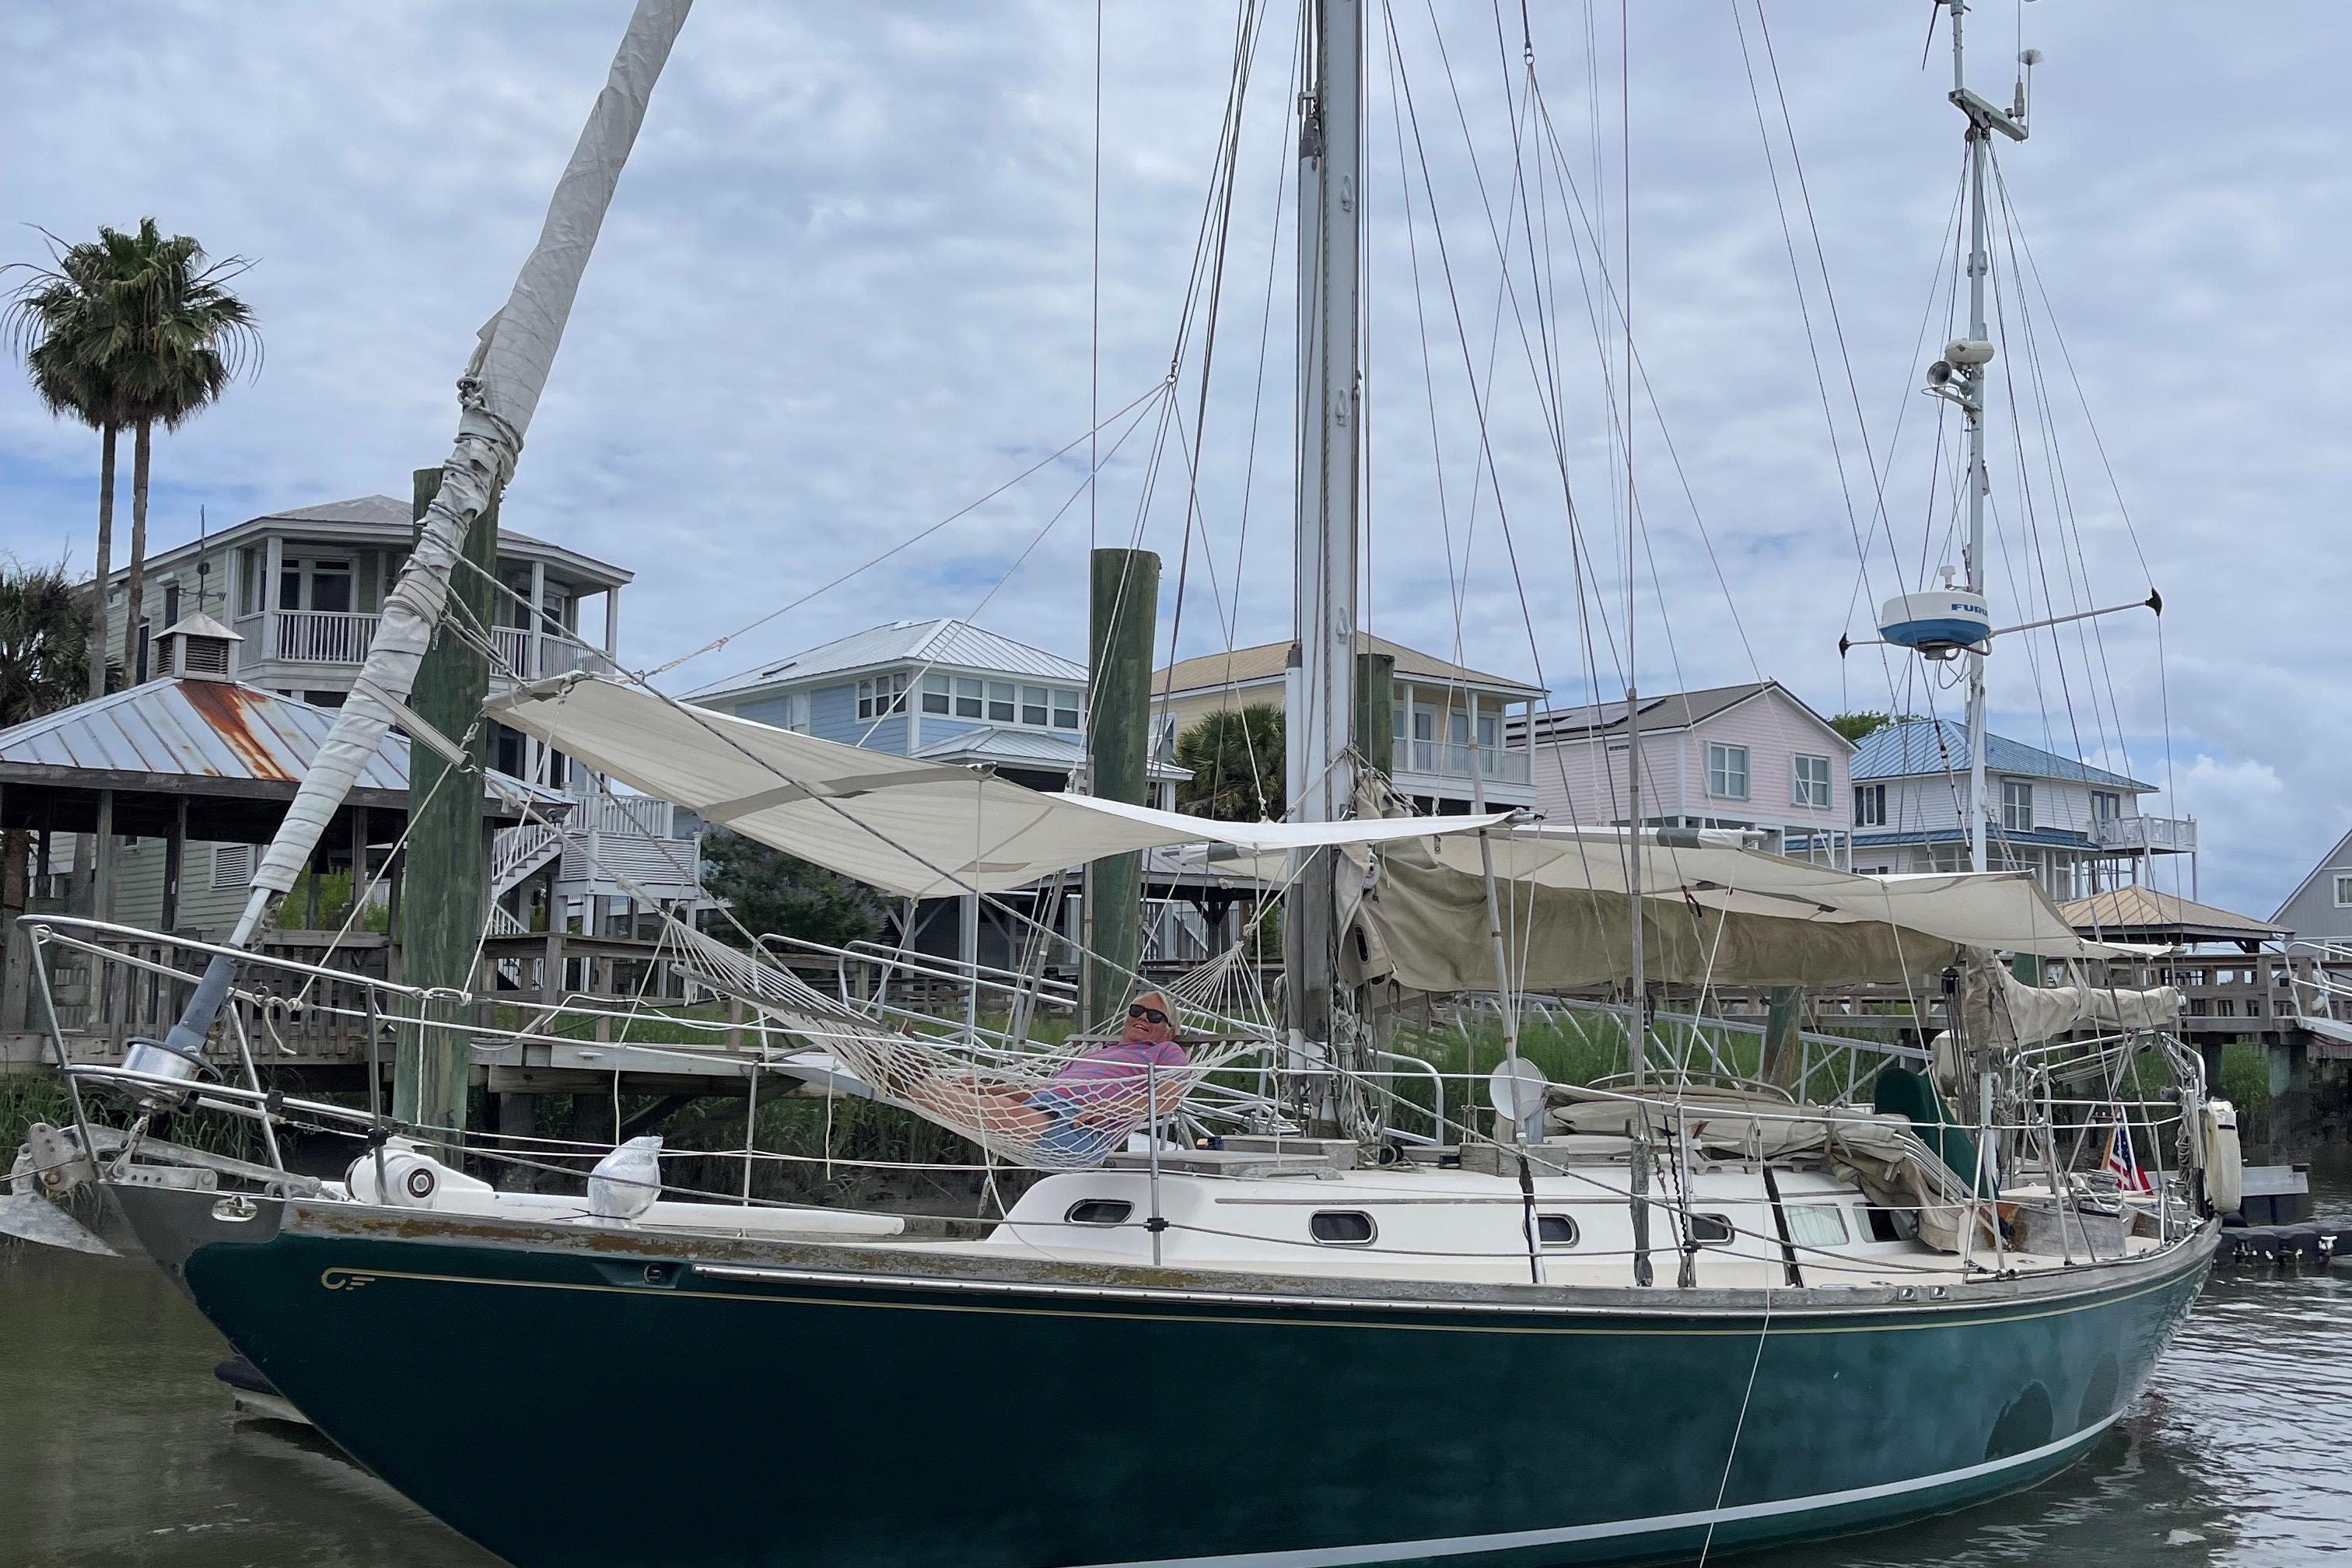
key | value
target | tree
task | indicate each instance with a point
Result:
(1235, 758)
(42, 642)
(1855, 726)
(773, 893)
(135, 330)
(55, 320)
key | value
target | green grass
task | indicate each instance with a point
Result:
(2246, 1084)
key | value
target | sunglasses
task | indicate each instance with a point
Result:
(1151, 1014)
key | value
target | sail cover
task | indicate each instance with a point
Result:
(918, 829)
(1714, 913)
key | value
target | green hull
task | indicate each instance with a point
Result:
(582, 1398)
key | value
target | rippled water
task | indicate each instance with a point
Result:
(118, 1447)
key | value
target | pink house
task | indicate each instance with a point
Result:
(1730, 756)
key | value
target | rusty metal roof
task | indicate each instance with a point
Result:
(195, 730)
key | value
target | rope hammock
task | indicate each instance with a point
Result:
(1048, 1110)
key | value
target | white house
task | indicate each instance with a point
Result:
(1747, 757)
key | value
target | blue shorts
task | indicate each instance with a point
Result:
(1067, 1138)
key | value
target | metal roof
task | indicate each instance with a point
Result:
(1009, 747)
(195, 729)
(378, 519)
(1910, 747)
(1266, 661)
(1667, 711)
(944, 641)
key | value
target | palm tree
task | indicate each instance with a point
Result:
(56, 322)
(1237, 765)
(138, 330)
(43, 646)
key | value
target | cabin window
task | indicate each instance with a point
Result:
(1000, 702)
(1870, 805)
(1815, 1224)
(2016, 806)
(1341, 1227)
(936, 693)
(1099, 1211)
(1556, 1230)
(1726, 771)
(1065, 710)
(1033, 706)
(1811, 785)
(968, 703)
(1711, 1229)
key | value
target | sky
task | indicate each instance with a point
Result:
(852, 284)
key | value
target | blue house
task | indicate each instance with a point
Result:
(957, 693)
(944, 689)
(2078, 828)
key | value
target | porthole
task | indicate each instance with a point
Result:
(1099, 1211)
(1341, 1227)
(1711, 1229)
(1556, 1230)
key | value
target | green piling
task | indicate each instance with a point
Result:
(1122, 604)
(446, 859)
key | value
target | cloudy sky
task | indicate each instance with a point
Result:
(849, 287)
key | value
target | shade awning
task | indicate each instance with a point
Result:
(911, 827)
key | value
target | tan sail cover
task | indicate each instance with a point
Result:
(918, 829)
(1715, 913)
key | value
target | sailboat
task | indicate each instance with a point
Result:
(1698, 1307)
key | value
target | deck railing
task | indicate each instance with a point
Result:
(1458, 759)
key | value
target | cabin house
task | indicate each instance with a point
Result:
(2079, 830)
(1750, 756)
(288, 603)
(1457, 734)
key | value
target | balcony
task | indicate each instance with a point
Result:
(1454, 759)
(343, 637)
(2147, 834)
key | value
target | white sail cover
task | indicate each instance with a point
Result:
(918, 829)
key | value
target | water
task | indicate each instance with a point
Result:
(116, 1445)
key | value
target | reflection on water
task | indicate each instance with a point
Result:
(118, 1447)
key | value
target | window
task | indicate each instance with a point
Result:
(251, 562)
(1065, 710)
(2016, 806)
(1870, 805)
(936, 688)
(1099, 1211)
(968, 698)
(1815, 1224)
(1812, 785)
(1033, 706)
(2105, 805)
(1711, 1229)
(232, 867)
(171, 606)
(1556, 1230)
(1727, 772)
(2343, 892)
(1341, 1227)
(1000, 702)
(882, 696)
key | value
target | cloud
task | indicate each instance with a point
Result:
(848, 286)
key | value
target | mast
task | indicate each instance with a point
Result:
(1969, 371)
(1320, 699)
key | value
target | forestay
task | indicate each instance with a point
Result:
(916, 828)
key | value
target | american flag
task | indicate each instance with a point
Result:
(2129, 1173)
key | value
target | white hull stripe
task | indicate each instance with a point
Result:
(1516, 1539)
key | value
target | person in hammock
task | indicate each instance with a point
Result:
(1092, 1099)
